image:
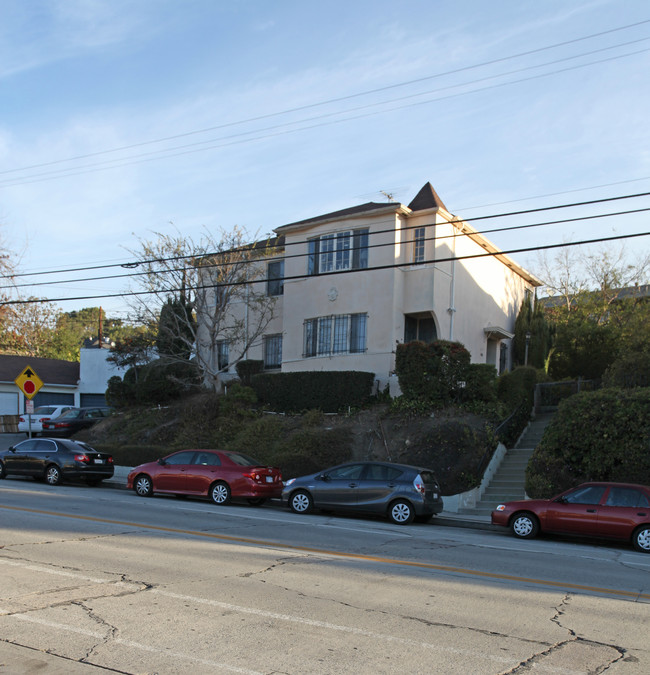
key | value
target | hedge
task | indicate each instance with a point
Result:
(602, 435)
(328, 390)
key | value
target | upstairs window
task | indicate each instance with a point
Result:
(418, 244)
(275, 278)
(337, 334)
(340, 251)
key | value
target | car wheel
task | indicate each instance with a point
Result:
(524, 525)
(401, 512)
(256, 501)
(2, 470)
(142, 486)
(301, 502)
(641, 539)
(53, 475)
(220, 493)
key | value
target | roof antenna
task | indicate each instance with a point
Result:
(388, 195)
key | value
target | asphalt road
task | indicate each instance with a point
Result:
(99, 579)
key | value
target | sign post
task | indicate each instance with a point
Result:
(29, 383)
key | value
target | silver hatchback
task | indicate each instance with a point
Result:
(400, 492)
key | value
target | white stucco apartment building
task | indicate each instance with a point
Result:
(350, 285)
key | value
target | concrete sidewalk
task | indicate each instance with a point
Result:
(448, 518)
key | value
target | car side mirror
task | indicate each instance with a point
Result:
(12, 449)
(162, 462)
(561, 500)
(324, 477)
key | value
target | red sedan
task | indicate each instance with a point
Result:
(217, 474)
(607, 510)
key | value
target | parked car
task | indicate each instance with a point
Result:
(603, 510)
(398, 491)
(75, 420)
(217, 474)
(44, 413)
(54, 460)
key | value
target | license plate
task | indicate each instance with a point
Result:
(98, 461)
(269, 479)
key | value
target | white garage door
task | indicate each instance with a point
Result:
(8, 403)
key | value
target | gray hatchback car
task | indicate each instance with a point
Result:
(400, 492)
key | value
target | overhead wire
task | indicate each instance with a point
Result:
(334, 100)
(555, 207)
(236, 139)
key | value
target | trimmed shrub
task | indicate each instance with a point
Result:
(480, 383)
(328, 390)
(601, 435)
(310, 450)
(432, 372)
(247, 368)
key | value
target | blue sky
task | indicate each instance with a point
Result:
(106, 80)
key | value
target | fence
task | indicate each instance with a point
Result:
(549, 394)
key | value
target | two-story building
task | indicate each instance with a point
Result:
(350, 285)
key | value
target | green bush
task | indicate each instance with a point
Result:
(631, 370)
(457, 453)
(247, 368)
(517, 386)
(432, 372)
(601, 435)
(328, 390)
(310, 450)
(480, 383)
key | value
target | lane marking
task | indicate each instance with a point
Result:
(338, 554)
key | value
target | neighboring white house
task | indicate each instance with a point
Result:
(350, 285)
(64, 382)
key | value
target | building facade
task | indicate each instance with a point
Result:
(349, 286)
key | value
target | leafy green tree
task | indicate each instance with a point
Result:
(531, 327)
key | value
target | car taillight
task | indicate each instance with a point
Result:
(419, 485)
(81, 458)
(59, 425)
(21, 419)
(109, 460)
(44, 419)
(254, 475)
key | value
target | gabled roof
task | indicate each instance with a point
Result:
(368, 207)
(427, 198)
(50, 371)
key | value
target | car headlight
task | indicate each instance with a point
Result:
(501, 507)
(289, 482)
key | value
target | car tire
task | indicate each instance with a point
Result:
(401, 512)
(301, 502)
(3, 473)
(53, 475)
(641, 539)
(256, 501)
(524, 525)
(142, 485)
(220, 493)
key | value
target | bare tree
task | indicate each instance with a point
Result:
(209, 294)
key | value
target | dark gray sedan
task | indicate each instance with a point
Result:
(56, 459)
(400, 492)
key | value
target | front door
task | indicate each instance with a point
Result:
(577, 511)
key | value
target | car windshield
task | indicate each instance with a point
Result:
(71, 414)
(242, 460)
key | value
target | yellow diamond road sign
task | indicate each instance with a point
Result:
(29, 382)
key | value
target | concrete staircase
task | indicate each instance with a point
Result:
(507, 484)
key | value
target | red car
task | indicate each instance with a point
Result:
(217, 474)
(607, 510)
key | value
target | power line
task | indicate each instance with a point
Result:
(178, 151)
(149, 273)
(302, 242)
(333, 100)
(434, 261)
